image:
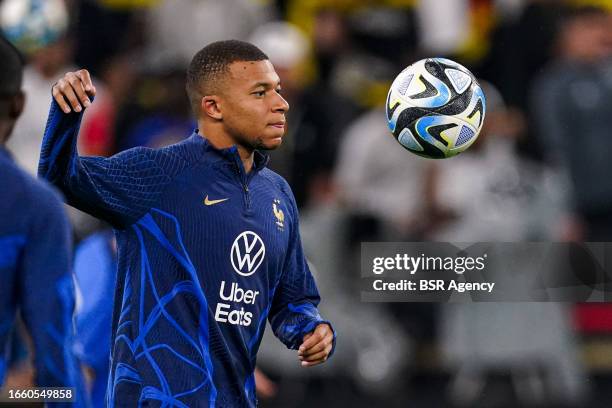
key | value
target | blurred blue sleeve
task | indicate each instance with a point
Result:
(47, 297)
(294, 312)
(95, 268)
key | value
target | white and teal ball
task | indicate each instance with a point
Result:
(33, 24)
(435, 108)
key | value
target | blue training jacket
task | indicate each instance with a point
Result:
(207, 252)
(35, 277)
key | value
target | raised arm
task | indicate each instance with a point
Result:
(119, 189)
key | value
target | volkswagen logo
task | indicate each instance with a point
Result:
(248, 252)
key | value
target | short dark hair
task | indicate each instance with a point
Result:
(211, 62)
(571, 13)
(11, 69)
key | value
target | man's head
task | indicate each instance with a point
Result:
(11, 96)
(585, 34)
(235, 95)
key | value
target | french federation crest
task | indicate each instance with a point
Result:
(279, 214)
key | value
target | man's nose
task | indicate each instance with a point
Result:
(281, 105)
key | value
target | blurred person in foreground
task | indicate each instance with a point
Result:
(34, 253)
(208, 238)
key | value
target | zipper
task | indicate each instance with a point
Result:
(247, 195)
(244, 182)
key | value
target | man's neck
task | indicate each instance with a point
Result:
(223, 141)
(247, 157)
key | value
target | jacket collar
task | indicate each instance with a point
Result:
(230, 154)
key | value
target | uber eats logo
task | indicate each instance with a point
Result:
(247, 253)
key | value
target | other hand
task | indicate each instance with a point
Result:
(316, 346)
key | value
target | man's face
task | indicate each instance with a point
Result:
(252, 107)
(588, 38)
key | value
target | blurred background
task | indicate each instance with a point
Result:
(538, 172)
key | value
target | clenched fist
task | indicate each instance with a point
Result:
(72, 92)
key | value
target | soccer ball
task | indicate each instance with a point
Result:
(435, 108)
(33, 24)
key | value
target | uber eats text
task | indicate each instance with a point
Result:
(227, 313)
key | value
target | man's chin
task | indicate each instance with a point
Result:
(271, 143)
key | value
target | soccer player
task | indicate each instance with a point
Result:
(208, 237)
(35, 243)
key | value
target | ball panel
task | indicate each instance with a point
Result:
(404, 84)
(407, 139)
(465, 136)
(460, 80)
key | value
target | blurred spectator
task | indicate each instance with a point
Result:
(488, 200)
(521, 47)
(98, 135)
(339, 29)
(177, 28)
(573, 101)
(380, 188)
(376, 178)
(490, 194)
(96, 19)
(444, 25)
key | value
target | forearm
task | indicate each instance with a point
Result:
(59, 158)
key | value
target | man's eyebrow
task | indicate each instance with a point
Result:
(266, 85)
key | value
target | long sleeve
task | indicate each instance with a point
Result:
(119, 189)
(47, 297)
(294, 307)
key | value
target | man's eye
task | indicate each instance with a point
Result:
(280, 91)
(260, 93)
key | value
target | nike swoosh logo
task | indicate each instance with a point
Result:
(213, 202)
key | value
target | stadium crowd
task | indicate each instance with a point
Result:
(536, 173)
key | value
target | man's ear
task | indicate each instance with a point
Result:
(16, 105)
(211, 106)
